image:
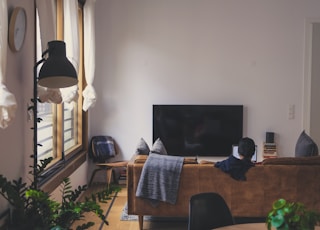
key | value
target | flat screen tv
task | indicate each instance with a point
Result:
(198, 130)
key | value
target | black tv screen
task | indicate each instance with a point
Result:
(198, 130)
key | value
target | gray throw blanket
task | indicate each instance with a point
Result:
(159, 180)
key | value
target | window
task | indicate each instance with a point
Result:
(63, 128)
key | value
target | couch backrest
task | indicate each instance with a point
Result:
(314, 160)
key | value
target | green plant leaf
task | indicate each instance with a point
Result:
(277, 220)
(279, 204)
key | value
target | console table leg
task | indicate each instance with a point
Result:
(140, 222)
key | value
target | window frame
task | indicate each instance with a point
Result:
(63, 168)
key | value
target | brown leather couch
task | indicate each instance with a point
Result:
(295, 179)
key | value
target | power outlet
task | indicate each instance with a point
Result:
(291, 112)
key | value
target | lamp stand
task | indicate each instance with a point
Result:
(34, 100)
(56, 72)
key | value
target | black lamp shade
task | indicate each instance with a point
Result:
(57, 71)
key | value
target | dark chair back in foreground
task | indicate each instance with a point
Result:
(208, 211)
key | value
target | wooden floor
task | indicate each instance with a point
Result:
(114, 209)
(113, 217)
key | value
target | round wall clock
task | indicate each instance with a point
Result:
(17, 28)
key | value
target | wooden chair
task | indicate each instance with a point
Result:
(108, 167)
(101, 150)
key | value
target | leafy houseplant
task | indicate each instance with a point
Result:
(32, 208)
(291, 216)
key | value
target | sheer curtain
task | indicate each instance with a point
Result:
(71, 37)
(47, 24)
(8, 104)
(89, 92)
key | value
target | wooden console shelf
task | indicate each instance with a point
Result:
(269, 150)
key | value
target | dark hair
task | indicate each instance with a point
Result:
(246, 147)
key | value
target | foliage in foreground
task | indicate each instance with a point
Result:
(291, 216)
(32, 208)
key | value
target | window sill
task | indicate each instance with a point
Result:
(71, 166)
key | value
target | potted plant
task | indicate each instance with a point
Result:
(291, 216)
(32, 208)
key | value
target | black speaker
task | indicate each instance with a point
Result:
(269, 137)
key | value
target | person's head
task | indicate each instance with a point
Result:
(246, 147)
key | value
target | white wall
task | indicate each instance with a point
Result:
(200, 52)
(16, 140)
(315, 82)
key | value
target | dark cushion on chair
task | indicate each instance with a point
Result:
(101, 148)
(305, 146)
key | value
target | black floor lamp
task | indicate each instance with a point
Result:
(56, 72)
